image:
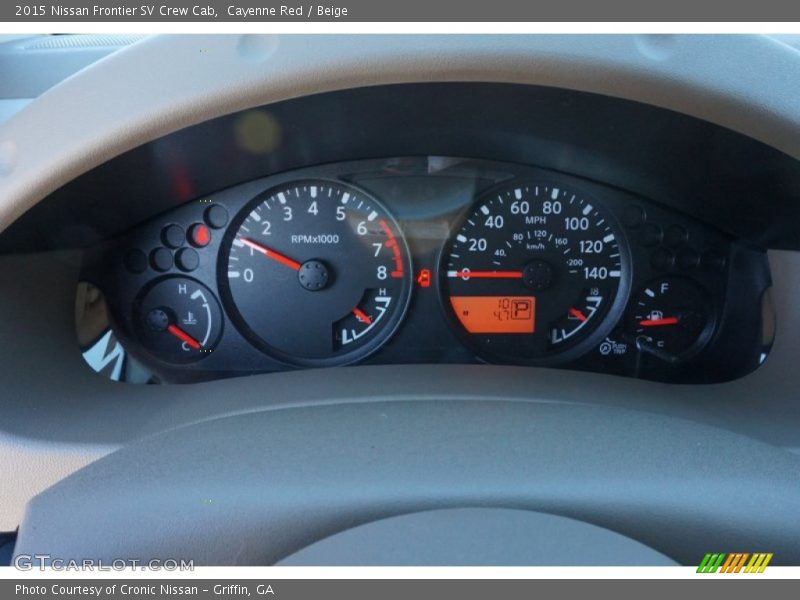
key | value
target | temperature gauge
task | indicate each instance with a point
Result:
(362, 319)
(178, 320)
(670, 318)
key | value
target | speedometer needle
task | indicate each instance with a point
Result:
(485, 274)
(269, 253)
(657, 322)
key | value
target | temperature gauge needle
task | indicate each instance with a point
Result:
(659, 322)
(362, 316)
(184, 337)
(269, 253)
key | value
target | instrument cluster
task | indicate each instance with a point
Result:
(423, 260)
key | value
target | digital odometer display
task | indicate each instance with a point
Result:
(316, 273)
(532, 273)
(495, 314)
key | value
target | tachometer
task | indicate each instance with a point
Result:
(533, 272)
(316, 273)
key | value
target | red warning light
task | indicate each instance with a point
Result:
(199, 235)
(424, 278)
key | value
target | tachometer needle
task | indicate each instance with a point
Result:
(184, 337)
(269, 253)
(362, 316)
(577, 314)
(485, 274)
(659, 322)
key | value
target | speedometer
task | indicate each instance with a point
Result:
(315, 273)
(534, 272)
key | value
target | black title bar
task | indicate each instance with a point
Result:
(407, 10)
(731, 588)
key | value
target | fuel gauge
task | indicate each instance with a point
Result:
(178, 320)
(670, 318)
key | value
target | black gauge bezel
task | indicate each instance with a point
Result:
(359, 353)
(610, 315)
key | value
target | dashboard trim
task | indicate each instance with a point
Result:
(746, 84)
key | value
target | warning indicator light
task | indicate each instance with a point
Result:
(424, 278)
(495, 314)
(199, 235)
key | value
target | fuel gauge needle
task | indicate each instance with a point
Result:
(184, 337)
(270, 253)
(659, 322)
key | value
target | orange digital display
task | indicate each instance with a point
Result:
(495, 314)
